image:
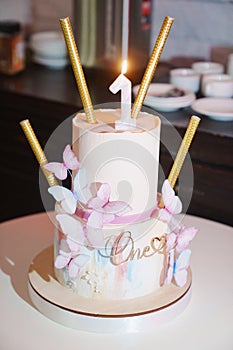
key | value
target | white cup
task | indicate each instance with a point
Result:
(208, 67)
(185, 78)
(217, 85)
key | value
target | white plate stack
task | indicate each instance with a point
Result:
(49, 49)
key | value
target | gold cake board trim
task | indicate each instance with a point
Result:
(66, 307)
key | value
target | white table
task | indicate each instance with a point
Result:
(207, 322)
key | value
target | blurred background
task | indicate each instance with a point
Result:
(202, 28)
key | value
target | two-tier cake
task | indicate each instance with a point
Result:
(112, 240)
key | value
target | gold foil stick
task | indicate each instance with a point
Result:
(183, 150)
(37, 150)
(77, 69)
(151, 66)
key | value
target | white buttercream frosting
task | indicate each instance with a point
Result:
(127, 160)
(128, 265)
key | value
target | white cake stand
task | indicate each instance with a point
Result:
(110, 316)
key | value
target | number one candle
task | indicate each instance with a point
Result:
(122, 83)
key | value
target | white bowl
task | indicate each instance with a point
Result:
(50, 62)
(217, 85)
(207, 67)
(185, 78)
(166, 104)
(48, 44)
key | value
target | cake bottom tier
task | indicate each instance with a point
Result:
(63, 306)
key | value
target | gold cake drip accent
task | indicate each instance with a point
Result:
(37, 150)
(77, 69)
(151, 66)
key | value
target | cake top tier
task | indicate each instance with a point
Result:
(127, 161)
(106, 119)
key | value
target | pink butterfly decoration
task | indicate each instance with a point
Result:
(104, 211)
(180, 239)
(172, 203)
(178, 268)
(74, 259)
(184, 237)
(70, 161)
(170, 241)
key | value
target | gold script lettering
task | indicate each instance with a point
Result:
(122, 249)
(161, 243)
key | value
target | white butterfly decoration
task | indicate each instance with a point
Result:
(70, 161)
(67, 198)
(180, 239)
(172, 204)
(73, 229)
(77, 235)
(104, 211)
(178, 268)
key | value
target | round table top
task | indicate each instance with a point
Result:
(206, 323)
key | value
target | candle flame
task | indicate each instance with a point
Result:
(124, 67)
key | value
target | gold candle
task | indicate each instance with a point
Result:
(183, 150)
(151, 66)
(37, 150)
(77, 69)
